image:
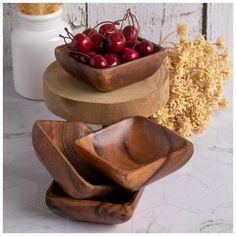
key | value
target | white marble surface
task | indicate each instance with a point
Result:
(197, 198)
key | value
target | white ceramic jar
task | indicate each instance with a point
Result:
(33, 42)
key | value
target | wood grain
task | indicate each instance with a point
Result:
(9, 21)
(220, 22)
(110, 210)
(113, 78)
(75, 12)
(156, 19)
(134, 152)
(53, 143)
(72, 99)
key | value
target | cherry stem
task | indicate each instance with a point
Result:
(70, 35)
(64, 38)
(128, 19)
(134, 19)
(124, 18)
(138, 28)
(130, 16)
(166, 37)
(117, 22)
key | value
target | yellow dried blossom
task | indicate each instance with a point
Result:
(225, 56)
(182, 30)
(198, 71)
(223, 103)
(209, 49)
(220, 42)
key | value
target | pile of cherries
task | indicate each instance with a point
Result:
(109, 46)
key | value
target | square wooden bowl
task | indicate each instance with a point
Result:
(53, 143)
(112, 78)
(114, 209)
(134, 152)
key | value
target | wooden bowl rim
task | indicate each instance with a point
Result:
(133, 199)
(126, 172)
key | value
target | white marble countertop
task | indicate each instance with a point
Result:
(197, 198)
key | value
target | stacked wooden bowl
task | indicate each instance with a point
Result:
(78, 192)
(100, 176)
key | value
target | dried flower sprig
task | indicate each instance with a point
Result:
(198, 70)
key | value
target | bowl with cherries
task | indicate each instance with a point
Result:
(110, 55)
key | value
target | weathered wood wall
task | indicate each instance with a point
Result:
(220, 22)
(156, 19)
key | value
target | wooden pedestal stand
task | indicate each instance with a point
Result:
(72, 99)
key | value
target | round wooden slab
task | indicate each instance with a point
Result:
(73, 99)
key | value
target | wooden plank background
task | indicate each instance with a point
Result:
(156, 19)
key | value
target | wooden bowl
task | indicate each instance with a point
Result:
(108, 210)
(134, 152)
(112, 78)
(53, 143)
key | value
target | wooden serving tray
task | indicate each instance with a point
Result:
(106, 210)
(73, 99)
(109, 79)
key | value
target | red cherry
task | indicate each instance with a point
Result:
(90, 31)
(98, 61)
(107, 29)
(81, 42)
(112, 59)
(129, 54)
(86, 59)
(98, 41)
(145, 48)
(130, 32)
(116, 42)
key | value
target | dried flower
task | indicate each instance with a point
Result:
(220, 42)
(225, 56)
(209, 49)
(223, 103)
(182, 30)
(197, 75)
